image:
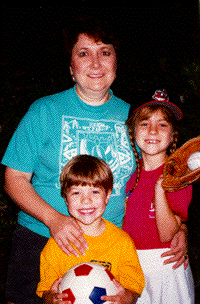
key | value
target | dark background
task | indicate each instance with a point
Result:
(159, 49)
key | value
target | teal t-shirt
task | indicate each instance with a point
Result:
(57, 128)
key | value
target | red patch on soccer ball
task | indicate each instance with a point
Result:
(111, 276)
(70, 296)
(83, 270)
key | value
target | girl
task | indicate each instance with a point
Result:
(153, 216)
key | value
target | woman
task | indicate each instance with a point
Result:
(87, 119)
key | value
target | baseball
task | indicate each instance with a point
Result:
(193, 161)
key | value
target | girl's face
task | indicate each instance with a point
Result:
(153, 134)
(93, 64)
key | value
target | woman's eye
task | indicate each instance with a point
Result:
(164, 125)
(106, 53)
(144, 124)
(75, 193)
(83, 54)
(95, 191)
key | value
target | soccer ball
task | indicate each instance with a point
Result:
(85, 283)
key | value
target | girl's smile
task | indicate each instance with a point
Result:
(153, 135)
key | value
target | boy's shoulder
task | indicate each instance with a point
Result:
(52, 247)
(117, 232)
(112, 232)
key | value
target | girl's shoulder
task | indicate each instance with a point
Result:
(131, 181)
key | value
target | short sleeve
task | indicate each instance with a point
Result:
(48, 271)
(47, 277)
(22, 151)
(130, 271)
(179, 201)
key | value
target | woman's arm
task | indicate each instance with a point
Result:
(62, 228)
(168, 223)
(178, 249)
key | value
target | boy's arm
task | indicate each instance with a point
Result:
(131, 276)
(48, 272)
(50, 296)
(124, 296)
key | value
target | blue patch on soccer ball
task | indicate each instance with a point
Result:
(96, 294)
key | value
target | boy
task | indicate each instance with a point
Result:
(86, 186)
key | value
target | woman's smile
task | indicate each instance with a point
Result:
(93, 66)
(95, 75)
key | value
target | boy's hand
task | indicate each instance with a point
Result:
(123, 296)
(53, 296)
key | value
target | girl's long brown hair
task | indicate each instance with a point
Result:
(143, 114)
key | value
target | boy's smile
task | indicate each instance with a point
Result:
(87, 204)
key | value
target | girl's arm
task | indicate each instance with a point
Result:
(168, 223)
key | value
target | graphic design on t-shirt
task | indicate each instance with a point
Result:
(152, 211)
(106, 265)
(106, 139)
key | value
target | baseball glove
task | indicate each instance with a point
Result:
(176, 172)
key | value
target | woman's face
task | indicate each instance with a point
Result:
(93, 64)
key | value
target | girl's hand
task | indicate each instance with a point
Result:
(158, 185)
(123, 296)
(65, 230)
(53, 296)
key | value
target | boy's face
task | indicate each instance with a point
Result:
(87, 203)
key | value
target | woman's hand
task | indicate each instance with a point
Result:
(53, 296)
(123, 296)
(65, 230)
(179, 248)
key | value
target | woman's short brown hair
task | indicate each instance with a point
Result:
(95, 28)
(86, 170)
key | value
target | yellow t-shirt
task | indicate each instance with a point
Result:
(114, 249)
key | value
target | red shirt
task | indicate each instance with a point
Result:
(140, 222)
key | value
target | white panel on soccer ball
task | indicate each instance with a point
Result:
(100, 278)
(82, 287)
(87, 282)
(111, 289)
(84, 301)
(67, 280)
